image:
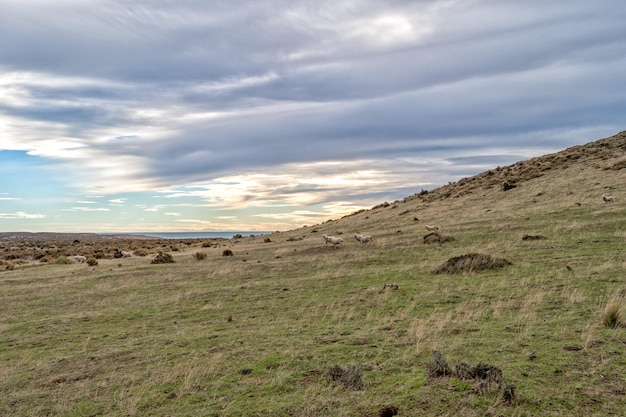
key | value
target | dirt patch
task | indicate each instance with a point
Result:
(534, 237)
(435, 237)
(472, 262)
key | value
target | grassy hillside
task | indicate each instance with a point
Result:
(288, 326)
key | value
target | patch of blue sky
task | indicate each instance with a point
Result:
(28, 177)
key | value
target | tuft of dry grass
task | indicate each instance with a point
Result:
(614, 311)
(199, 255)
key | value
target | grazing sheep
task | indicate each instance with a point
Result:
(336, 241)
(430, 228)
(364, 238)
(608, 198)
(79, 259)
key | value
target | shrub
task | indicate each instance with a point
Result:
(92, 261)
(350, 377)
(163, 258)
(63, 260)
(438, 366)
(200, 255)
(227, 252)
(47, 259)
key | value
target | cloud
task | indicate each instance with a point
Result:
(289, 103)
(21, 215)
(87, 209)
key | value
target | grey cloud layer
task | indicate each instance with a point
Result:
(205, 89)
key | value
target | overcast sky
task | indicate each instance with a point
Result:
(252, 115)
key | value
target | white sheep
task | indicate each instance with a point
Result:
(430, 228)
(336, 241)
(79, 259)
(608, 198)
(364, 238)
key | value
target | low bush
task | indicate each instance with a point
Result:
(163, 258)
(63, 260)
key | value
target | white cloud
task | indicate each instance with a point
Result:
(87, 209)
(21, 215)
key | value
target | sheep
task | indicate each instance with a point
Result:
(79, 259)
(430, 228)
(608, 198)
(336, 241)
(364, 238)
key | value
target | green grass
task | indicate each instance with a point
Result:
(255, 334)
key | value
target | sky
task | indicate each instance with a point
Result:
(254, 115)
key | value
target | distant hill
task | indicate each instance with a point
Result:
(47, 236)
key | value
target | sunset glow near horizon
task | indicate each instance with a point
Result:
(262, 116)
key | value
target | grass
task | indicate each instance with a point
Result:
(256, 333)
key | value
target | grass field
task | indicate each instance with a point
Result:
(260, 333)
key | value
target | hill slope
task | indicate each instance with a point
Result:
(288, 326)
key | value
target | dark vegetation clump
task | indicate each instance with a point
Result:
(267, 240)
(508, 393)
(534, 237)
(163, 258)
(435, 237)
(472, 262)
(438, 367)
(227, 252)
(91, 261)
(350, 377)
(388, 411)
(487, 377)
(508, 185)
(199, 255)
